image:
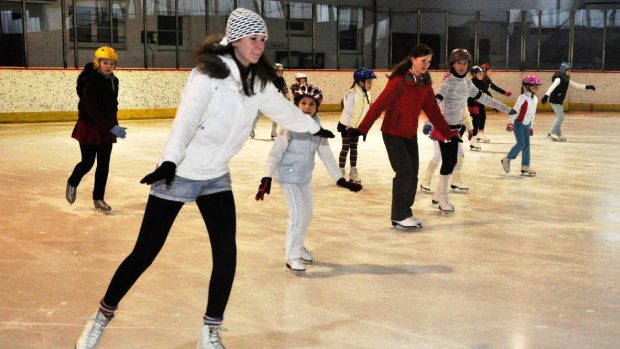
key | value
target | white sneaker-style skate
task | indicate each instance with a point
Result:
(296, 266)
(92, 331)
(505, 164)
(527, 171)
(210, 338)
(306, 255)
(354, 176)
(407, 224)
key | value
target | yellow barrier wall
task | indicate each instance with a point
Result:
(44, 95)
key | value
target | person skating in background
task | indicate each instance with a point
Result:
(484, 85)
(408, 91)
(291, 161)
(280, 84)
(356, 102)
(301, 79)
(97, 126)
(452, 97)
(522, 125)
(556, 95)
(231, 81)
(473, 107)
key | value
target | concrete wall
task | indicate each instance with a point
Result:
(35, 95)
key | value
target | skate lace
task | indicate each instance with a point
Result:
(215, 336)
(96, 331)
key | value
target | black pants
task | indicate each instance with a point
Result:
(479, 121)
(449, 153)
(218, 213)
(404, 158)
(89, 152)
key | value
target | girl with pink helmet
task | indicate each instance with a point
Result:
(522, 124)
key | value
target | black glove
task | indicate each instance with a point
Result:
(165, 171)
(354, 133)
(456, 139)
(263, 188)
(341, 127)
(349, 185)
(590, 87)
(544, 99)
(323, 133)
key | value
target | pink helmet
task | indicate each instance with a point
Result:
(531, 80)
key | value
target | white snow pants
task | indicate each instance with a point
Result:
(299, 199)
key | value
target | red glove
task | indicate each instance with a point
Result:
(470, 134)
(507, 93)
(531, 132)
(475, 110)
(263, 188)
(510, 127)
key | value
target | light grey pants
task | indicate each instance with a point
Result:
(299, 200)
(556, 127)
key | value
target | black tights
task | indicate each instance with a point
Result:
(89, 152)
(218, 213)
(449, 153)
(479, 121)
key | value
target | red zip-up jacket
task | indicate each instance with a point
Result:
(402, 100)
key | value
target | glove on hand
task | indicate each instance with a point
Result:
(349, 185)
(544, 99)
(474, 111)
(353, 132)
(263, 188)
(323, 133)
(531, 132)
(165, 171)
(507, 93)
(470, 134)
(341, 127)
(427, 128)
(456, 137)
(512, 112)
(119, 131)
(590, 87)
(510, 127)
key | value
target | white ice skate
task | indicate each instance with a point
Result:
(425, 186)
(562, 138)
(505, 164)
(210, 338)
(459, 187)
(482, 138)
(252, 134)
(354, 176)
(441, 195)
(342, 172)
(527, 171)
(473, 144)
(407, 224)
(306, 255)
(296, 266)
(92, 331)
(457, 184)
(553, 137)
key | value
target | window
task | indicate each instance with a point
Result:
(166, 30)
(93, 25)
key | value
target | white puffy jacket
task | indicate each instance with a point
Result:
(215, 118)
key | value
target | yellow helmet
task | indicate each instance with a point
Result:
(104, 52)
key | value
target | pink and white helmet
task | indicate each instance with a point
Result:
(531, 80)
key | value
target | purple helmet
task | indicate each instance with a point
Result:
(363, 73)
(531, 80)
(459, 54)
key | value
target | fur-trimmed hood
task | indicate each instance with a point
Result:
(209, 59)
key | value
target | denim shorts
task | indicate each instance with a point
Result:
(187, 190)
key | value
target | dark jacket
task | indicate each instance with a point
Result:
(483, 85)
(97, 107)
(559, 93)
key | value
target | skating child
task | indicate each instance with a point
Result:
(453, 96)
(280, 84)
(232, 80)
(301, 78)
(291, 161)
(97, 126)
(408, 91)
(480, 118)
(356, 102)
(556, 95)
(522, 125)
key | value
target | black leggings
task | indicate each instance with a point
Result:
(218, 213)
(89, 152)
(348, 143)
(480, 120)
(449, 153)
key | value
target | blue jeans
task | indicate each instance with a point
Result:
(187, 190)
(522, 134)
(556, 127)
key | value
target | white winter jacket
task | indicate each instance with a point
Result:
(215, 118)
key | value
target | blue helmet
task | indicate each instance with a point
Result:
(564, 67)
(363, 73)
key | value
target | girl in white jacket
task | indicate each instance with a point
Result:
(231, 82)
(291, 161)
(522, 124)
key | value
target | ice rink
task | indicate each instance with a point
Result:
(523, 263)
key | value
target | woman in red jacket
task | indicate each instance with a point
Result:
(408, 92)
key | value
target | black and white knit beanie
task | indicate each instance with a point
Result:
(241, 23)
